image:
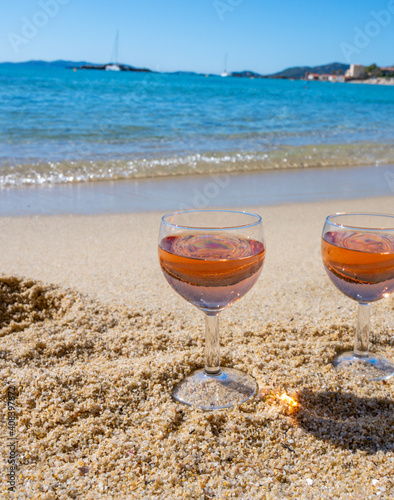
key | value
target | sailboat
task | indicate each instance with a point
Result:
(114, 66)
(225, 73)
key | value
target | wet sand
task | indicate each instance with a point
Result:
(271, 187)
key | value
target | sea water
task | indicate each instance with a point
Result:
(61, 126)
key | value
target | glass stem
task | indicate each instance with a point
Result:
(212, 345)
(361, 344)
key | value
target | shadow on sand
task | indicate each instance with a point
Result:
(348, 421)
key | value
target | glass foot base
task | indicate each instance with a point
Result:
(214, 392)
(372, 366)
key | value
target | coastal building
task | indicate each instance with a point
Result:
(336, 78)
(355, 71)
(326, 77)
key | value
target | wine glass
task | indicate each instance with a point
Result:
(358, 255)
(212, 258)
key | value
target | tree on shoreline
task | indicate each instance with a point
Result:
(374, 71)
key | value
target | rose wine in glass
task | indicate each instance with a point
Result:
(212, 258)
(358, 255)
(211, 271)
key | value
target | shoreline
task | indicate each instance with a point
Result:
(271, 187)
(375, 81)
(95, 339)
(277, 158)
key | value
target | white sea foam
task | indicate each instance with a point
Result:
(341, 155)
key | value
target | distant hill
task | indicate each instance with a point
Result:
(247, 74)
(60, 63)
(123, 67)
(299, 71)
(296, 72)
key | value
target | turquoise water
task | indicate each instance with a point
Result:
(60, 126)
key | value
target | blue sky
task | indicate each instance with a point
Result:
(168, 35)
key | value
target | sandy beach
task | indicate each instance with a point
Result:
(94, 339)
(376, 81)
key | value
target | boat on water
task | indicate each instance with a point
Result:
(114, 66)
(225, 72)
